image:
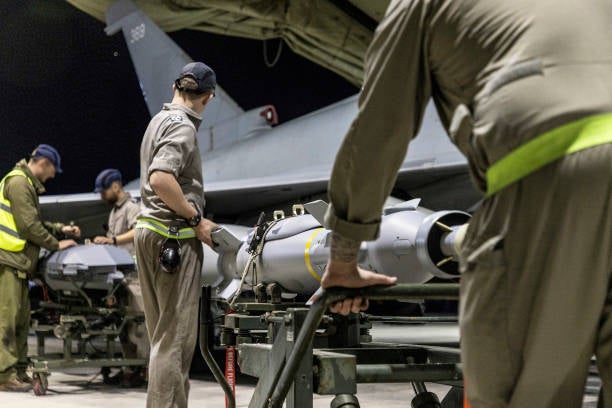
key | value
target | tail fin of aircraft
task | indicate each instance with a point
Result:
(158, 60)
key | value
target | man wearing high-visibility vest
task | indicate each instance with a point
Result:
(22, 234)
(524, 89)
(170, 232)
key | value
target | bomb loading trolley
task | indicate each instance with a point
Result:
(82, 300)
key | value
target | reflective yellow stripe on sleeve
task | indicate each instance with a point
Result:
(548, 147)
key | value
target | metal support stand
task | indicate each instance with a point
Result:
(332, 295)
(68, 348)
(87, 314)
(301, 388)
(206, 322)
(43, 362)
(40, 343)
(279, 347)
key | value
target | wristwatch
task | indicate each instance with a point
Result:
(195, 220)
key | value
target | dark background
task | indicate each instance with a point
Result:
(63, 81)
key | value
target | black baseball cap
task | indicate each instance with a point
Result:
(202, 74)
(49, 152)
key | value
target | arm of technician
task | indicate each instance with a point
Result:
(168, 189)
(396, 90)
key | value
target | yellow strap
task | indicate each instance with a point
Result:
(307, 254)
(162, 229)
(548, 147)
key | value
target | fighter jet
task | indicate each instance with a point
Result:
(249, 162)
(253, 164)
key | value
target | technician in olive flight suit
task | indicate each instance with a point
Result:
(524, 89)
(22, 234)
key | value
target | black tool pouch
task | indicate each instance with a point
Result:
(170, 253)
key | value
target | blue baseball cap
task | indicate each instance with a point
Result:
(203, 75)
(106, 178)
(49, 152)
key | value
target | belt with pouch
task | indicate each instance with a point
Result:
(164, 230)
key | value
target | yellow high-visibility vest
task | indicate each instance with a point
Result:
(10, 240)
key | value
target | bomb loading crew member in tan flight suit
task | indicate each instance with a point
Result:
(120, 232)
(171, 223)
(123, 216)
(524, 88)
(22, 234)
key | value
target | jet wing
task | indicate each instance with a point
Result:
(248, 165)
(440, 187)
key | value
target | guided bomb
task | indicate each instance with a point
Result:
(415, 244)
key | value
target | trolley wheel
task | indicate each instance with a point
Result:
(345, 401)
(40, 383)
(426, 400)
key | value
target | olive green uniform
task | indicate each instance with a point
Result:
(170, 300)
(17, 267)
(536, 258)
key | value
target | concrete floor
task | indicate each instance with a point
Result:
(68, 390)
(84, 390)
(83, 387)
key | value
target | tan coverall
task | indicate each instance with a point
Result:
(537, 255)
(170, 300)
(122, 218)
(17, 267)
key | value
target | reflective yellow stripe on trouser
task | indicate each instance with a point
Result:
(160, 228)
(548, 147)
(10, 240)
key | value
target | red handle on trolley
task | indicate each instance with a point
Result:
(230, 370)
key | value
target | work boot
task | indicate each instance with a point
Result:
(115, 379)
(24, 377)
(133, 379)
(15, 385)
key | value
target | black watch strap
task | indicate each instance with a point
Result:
(195, 220)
